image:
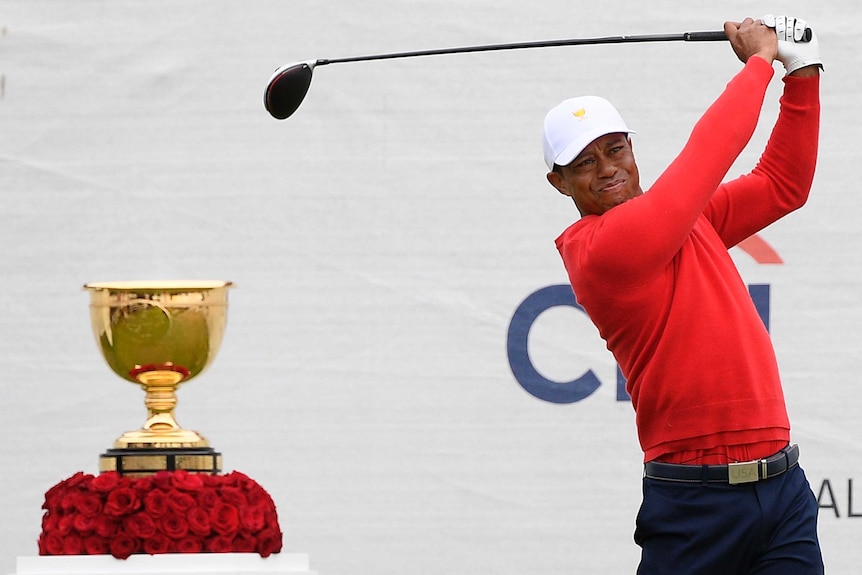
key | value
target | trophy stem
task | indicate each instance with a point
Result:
(161, 389)
(161, 430)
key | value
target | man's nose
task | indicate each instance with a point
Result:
(606, 167)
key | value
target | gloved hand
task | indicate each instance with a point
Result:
(794, 51)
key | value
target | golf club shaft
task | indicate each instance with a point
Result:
(684, 37)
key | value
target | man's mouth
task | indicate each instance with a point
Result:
(612, 187)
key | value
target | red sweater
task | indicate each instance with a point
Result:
(655, 276)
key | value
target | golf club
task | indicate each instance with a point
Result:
(289, 84)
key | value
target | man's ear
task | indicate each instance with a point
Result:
(556, 179)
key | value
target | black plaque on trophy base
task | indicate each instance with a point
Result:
(138, 462)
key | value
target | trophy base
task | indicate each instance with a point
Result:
(172, 437)
(138, 462)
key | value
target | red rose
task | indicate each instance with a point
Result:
(229, 480)
(185, 481)
(189, 545)
(224, 519)
(89, 504)
(212, 480)
(65, 525)
(242, 479)
(105, 482)
(51, 544)
(122, 501)
(233, 496)
(84, 525)
(106, 526)
(251, 518)
(180, 502)
(271, 517)
(54, 495)
(156, 503)
(162, 479)
(50, 521)
(208, 499)
(96, 545)
(123, 545)
(257, 495)
(70, 500)
(72, 545)
(219, 545)
(140, 525)
(199, 521)
(269, 542)
(174, 526)
(142, 485)
(158, 544)
(77, 479)
(244, 543)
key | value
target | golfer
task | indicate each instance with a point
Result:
(723, 492)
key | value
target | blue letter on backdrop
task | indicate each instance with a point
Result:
(519, 357)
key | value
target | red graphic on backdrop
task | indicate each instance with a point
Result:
(762, 252)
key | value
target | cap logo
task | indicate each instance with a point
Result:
(580, 114)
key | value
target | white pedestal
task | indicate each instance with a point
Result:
(167, 564)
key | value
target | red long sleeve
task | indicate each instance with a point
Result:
(655, 277)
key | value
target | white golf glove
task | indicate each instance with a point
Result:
(794, 50)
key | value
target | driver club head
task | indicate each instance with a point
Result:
(287, 88)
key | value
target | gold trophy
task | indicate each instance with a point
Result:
(159, 335)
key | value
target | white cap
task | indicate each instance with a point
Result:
(574, 123)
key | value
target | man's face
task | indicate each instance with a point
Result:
(604, 175)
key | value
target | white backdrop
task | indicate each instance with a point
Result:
(381, 240)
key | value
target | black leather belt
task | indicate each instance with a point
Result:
(733, 473)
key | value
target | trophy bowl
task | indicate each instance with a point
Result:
(159, 335)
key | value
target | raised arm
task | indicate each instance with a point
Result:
(782, 179)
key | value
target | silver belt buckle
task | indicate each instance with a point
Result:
(745, 472)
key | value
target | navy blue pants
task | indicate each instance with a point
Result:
(767, 527)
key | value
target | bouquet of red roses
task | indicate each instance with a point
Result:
(168, 512)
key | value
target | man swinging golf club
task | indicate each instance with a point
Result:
(722, 491)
